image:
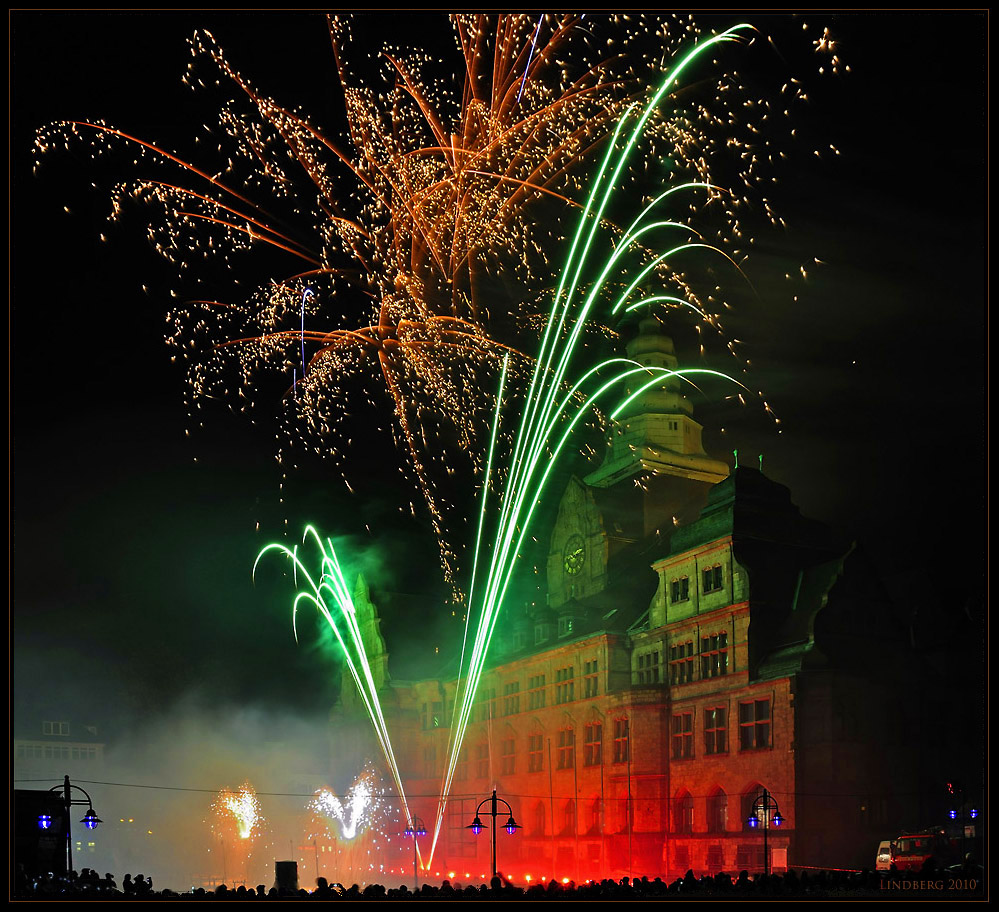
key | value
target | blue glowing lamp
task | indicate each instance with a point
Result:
(952, 814)
(973, 813)
(44, 821)
(511, 825)
(421, 830)
(476, 826)
(91, 820)
(752, 821)
(408, 831)
(777, 820)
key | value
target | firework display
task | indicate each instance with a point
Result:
(552, 408)
(353, 814)
(416, 259)
(239, 810)
(343, 622)
(417, 249)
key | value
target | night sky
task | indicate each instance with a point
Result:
(133, 542)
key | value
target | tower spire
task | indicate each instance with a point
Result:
(658, 433)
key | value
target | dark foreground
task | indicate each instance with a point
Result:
(963, 883)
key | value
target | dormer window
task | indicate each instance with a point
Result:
(540, 633)
(679, 589)
(55, 728)
(564, 626)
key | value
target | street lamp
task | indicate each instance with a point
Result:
(90, 819)
(766, 812)
(961, 814)
(415, 828)
(511, 825)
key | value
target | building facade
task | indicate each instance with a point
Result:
(47, 750)
(701, 642)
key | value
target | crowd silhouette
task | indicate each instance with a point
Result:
(967, 879)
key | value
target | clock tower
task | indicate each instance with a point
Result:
(655, 474)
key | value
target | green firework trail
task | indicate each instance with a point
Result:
(332, 589)
(554, 407)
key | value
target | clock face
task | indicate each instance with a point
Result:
(574, 555)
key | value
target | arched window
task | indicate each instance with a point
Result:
(679, 589)
(683, 813)
(717, 811)
(538, 820)
(596, 812)
(749, 797)
(569, 818)
(712, 578)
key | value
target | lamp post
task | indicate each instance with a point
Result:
(765, 813)
(511, 825)
(961, 814)
(90, 820)
(415, 828)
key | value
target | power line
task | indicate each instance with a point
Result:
(436, 795)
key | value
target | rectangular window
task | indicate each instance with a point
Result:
(461, 770)
(715, 730)
(712, 577)
(593, 744)
(482, 760)
(648, 667)
(511, 698)
(754, 725)
(591, 680)
(487, 704)
(566, 756)
(535, 753)
(749, 857)
(679, 589)
(461, 842)
(683, 736)
(564, 685)
(436, 714)
(714, 655)
(429, 768)
(536, 692)
(620, 740)
(508, 757)
(681, 663)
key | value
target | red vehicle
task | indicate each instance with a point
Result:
(910, 851)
